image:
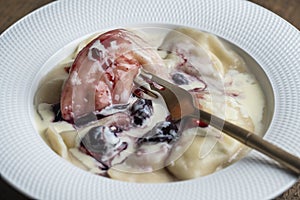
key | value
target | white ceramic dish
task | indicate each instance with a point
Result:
(32, 167)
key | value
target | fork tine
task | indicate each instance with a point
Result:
(156, 79)
(180, 102)
(168, 87)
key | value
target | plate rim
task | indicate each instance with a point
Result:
(45, 7)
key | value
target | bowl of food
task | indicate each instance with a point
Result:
(86, 122)
(131, 135)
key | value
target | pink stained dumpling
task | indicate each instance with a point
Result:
(103, 72)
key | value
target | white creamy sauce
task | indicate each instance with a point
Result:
(230, 92)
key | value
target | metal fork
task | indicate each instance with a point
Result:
(180, 104)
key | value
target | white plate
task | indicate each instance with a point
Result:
(29, 164)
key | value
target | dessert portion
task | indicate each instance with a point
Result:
(92, 109)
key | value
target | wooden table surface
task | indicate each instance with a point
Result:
(13, 10)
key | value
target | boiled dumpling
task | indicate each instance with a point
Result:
(159, 176)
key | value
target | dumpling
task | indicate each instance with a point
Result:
(210, 150)
(159, 176)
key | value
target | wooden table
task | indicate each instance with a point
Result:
(13, 10)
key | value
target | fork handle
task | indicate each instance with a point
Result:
(251, 140)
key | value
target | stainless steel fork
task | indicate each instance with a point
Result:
(180, 104)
